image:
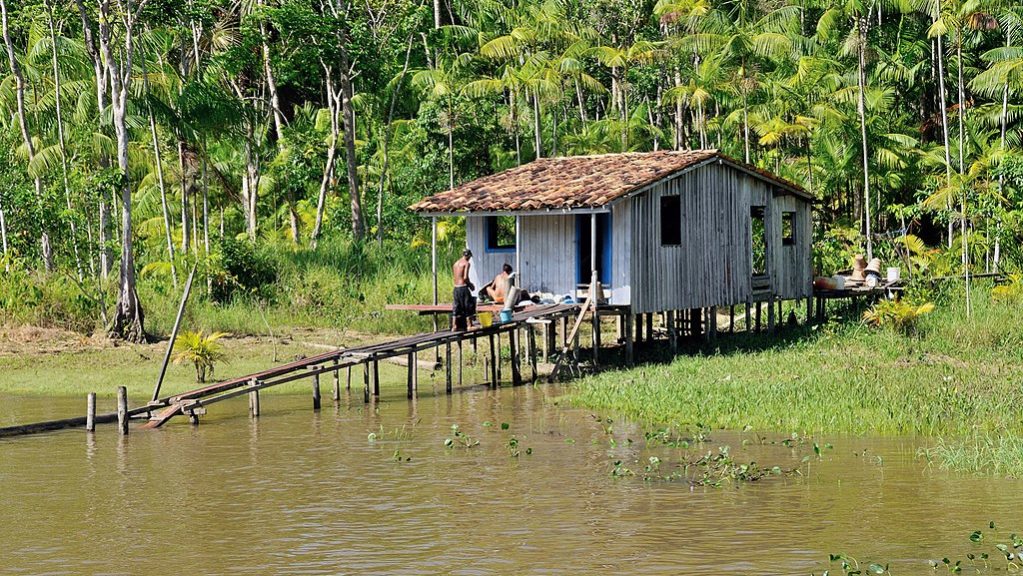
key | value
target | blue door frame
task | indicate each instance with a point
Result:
(604, 244)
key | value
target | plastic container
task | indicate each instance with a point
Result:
(506, 316)
(893, 274)
(486, 319)
(839, 282)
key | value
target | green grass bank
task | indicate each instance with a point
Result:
(958, 380)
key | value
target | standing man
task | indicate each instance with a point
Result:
(464, 304)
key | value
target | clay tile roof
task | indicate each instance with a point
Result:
(574, 182)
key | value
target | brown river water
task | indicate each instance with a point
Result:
(298, 492)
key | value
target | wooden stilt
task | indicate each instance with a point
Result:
(770, 317)
(712, 322)
(365, 380)
(497, 358)
(254, 399)
(411, 372)
(749, 316)
(316, 390)
(376, 378)
(672, 335)
(531, 339)
(122, 409)
(447, 368)
(650, 327)
(809, 310)
(90, 412)
(759, 307)
(639, 327)
(629, 352)
(336, 396)
(596, 337)
(348, 378)
(459, 363)
(731, 319)
(513, 351)
(493, 362)
(563, 329)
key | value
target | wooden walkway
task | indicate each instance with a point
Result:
(193, 402)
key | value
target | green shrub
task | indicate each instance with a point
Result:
(898, 314)
(238, 266)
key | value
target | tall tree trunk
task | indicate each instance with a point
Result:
(1004, 121)
(100, 73)
(537, 127)
(183, 181)
(962, 171)
(334, 106)
(3, 235)
(128, 320)
(387, 142)
(944, 128)
(19, 85)
(861, 109)
(158, 155)
(63, 150)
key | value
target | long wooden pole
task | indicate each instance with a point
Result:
(174, 334)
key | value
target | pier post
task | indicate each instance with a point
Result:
(809, 310)
(497, 358)
(731, 319)
(712, 314)
(494, 375)
(672, 336)
(639, 328)
(376, 378)
(759, 307)
(513, 350)
(447, 367)
(90, 412)
(770, 316)
(337, 384)
(563, 329)
(254, 399)
(365, 381)
(531, 335)
(348, 378)
(628, 338)
(650, 327)
(316, 389)
(749, 315)
(122, 409)
(411, 373)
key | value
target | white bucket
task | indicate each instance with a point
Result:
(839, 282)
(893, 274)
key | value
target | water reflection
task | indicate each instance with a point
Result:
(305, 492)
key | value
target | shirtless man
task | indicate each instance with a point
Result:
(499, 286)
(464, 303)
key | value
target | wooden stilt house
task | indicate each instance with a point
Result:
(662, 230)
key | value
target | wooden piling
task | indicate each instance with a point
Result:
(336, 397)
(411, 373)
(628, 338)
(809, 310)
(712, 322)
(122, 409)
(348, 379)
(90, 412)
(770, 317)
(731, 319)
(316, 390)
(759, 307)
(447, 368)
(365, 381)
(493, 363)
(531, 339)
(749, 316)
(639, 328)
(254, 399)
(513, 351)
(672, 334)
(649, 327)
(376, 378)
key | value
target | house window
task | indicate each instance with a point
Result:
(500, 233)
(758, 235)
(671, 220)
(788, 229)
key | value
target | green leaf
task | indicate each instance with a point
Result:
(977, 536)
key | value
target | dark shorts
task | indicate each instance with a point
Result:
(464, 306)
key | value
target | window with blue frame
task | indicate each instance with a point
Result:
(500, 233)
